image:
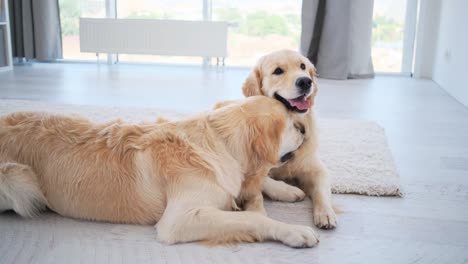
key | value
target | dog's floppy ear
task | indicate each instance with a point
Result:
(313, 76)
(253, 84)
(259, 134)
(265, 138)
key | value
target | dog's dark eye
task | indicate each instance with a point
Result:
(278, 71)
(300, 127)
(303, 66)
(287, 157)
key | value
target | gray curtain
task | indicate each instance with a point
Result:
(35, 29)
(336, 37)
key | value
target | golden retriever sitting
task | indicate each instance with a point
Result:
(290, 78)
(187, 176)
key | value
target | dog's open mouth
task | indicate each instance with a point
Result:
(300, 104)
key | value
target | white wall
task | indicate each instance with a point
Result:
(450, 67)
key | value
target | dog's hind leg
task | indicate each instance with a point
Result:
(19, 190)
(255, 204)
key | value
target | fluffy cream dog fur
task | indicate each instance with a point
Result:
(186, 176)
(290, 78)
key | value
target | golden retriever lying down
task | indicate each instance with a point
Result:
(186, 176)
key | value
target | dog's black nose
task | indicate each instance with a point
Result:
(304, 84)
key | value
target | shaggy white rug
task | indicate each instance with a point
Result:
(355, 152)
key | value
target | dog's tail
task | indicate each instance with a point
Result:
(19, 190)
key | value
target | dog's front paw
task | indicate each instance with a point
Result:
(286, 193)
(325, 217)
(298, 236)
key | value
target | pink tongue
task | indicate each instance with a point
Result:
(300, 103)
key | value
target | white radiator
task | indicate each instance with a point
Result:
(154, 37)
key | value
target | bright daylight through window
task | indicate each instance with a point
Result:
(256, 27)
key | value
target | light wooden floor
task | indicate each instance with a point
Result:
(427, 131)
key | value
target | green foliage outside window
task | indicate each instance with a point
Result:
(386, 30)
(260, 23)
(69, 16)
(255, 23)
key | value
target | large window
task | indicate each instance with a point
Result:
(256, 27)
